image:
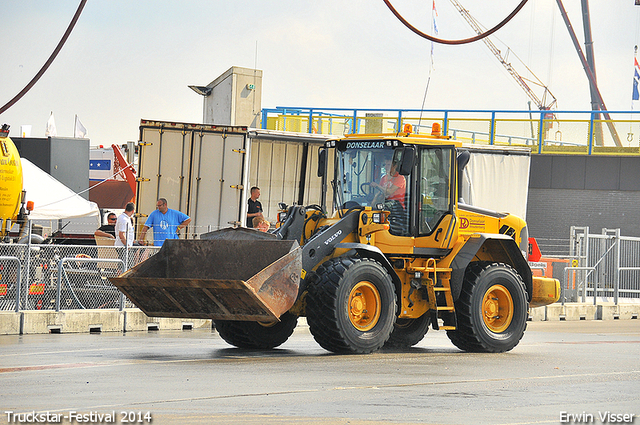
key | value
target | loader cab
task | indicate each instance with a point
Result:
(413, 180)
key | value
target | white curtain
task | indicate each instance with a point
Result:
(497, 182)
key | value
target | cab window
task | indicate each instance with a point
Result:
(434, 187)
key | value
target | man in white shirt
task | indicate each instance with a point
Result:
(125, 234)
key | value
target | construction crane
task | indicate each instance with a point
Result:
(524, 83)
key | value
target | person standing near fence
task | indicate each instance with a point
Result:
(107, 230)
(166, 223)
(124, 227)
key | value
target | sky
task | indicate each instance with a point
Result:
(132, 60)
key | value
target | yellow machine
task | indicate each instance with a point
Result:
(399, 254)
(11, 193)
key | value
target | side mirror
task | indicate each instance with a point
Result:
(405, 156)
(463, 159)
(322, 162)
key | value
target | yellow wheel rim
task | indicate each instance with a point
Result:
(364, 306)
(497, 308)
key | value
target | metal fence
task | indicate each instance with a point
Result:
(60, 277)
(554, 247)
(605, 267)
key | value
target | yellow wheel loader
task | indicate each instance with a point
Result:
(400, 254)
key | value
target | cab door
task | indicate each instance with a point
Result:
(435, 221)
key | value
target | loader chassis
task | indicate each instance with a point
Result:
(392, 260)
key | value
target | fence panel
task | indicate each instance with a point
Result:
(80, 282)
(85, 283)
(605, 267)
(10, 283)
(629, 268)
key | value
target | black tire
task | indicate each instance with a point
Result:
(492, 309)
(257, 334)
(408, 332)
(339, 293)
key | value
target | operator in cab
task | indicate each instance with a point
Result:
(392, 186)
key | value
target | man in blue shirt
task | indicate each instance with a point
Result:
(166, 223)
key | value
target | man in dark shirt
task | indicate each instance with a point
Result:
(108, 230)
(255, 207)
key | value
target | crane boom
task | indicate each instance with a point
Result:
(596, 97)
(522, 82)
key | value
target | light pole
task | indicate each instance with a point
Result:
(204, 92)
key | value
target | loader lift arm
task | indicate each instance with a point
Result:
(324, 242)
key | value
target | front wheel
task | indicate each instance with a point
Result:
(351, 305)
(257, 334)
(491, 310)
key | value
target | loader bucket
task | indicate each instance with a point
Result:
(233, 277)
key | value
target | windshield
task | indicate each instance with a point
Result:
(362, 171)
(367, 175)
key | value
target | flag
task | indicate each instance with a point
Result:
(434, 15)
(636, 80)
(51, 127)
(79, 131)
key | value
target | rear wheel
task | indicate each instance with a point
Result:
(491, 310)
(261, 335)
(351, 305)
(408, 332)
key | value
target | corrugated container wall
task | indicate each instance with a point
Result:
(207, 171)
(198, 168)
(276, 167)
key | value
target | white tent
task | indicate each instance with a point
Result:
(52, 199)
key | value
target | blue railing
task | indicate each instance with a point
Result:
(583, 132)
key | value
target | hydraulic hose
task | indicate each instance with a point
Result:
(461, 41)
(40, 73)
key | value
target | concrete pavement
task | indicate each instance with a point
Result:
(560, 368)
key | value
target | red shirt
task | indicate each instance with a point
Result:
(398, 181)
